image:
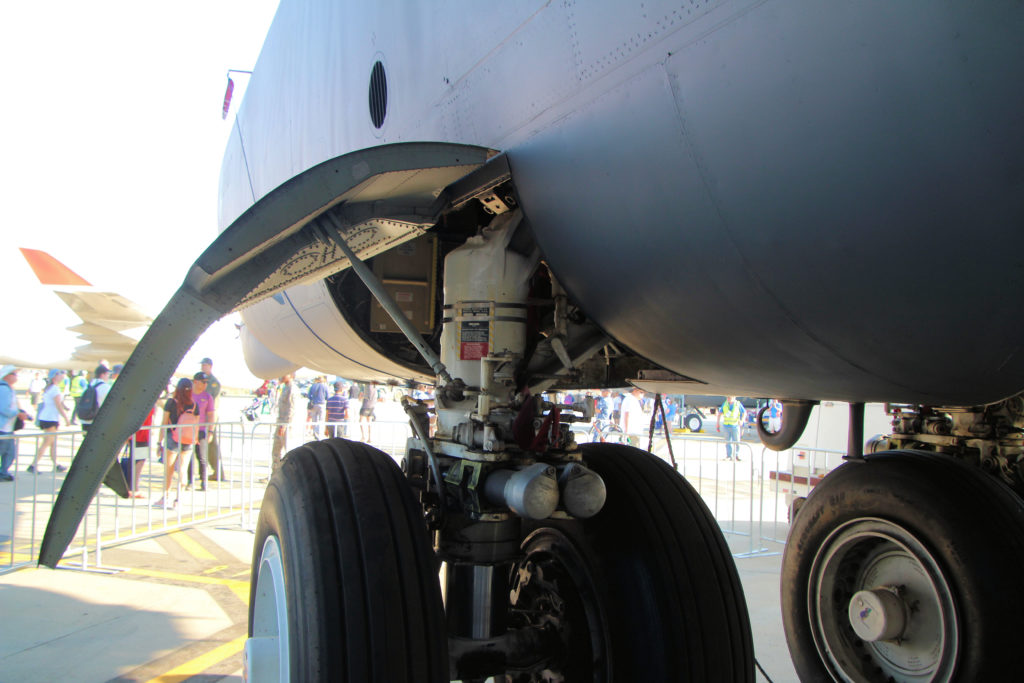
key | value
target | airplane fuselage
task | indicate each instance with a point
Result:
(735, 191)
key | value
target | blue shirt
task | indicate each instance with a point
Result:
(318, 393)
(8, 407)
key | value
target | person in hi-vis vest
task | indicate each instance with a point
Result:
(732, 413)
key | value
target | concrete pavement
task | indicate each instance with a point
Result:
(179, 610)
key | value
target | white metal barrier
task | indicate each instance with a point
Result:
(750, 497)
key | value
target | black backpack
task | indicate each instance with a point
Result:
(88, 403)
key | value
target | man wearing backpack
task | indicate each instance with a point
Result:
(93, 396)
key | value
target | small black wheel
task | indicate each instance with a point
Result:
(904, 567)
(344, 585)
(646, 590)
(693, 422)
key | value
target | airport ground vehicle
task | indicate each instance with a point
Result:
(764, 154)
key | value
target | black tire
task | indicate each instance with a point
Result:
(944, 523)
(360, 586)
(693, 422)
(649, 586)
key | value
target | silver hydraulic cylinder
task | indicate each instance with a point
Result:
(532, 492)
(583, 490)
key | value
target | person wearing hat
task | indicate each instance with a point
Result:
(207, 416)
(10, 411)
(212, 383)
(180, 417)
(78, 385)
(102, 384)
(51, 410)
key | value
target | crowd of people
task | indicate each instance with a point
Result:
(187, 408)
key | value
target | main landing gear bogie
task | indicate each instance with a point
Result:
(346, 585)
(650, 574)
(904, 567)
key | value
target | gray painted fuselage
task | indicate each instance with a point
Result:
(792, 199)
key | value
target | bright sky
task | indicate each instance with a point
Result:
(112, 140)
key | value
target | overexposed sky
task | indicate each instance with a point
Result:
(112, 140)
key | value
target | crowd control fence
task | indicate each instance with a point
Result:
(749, 496)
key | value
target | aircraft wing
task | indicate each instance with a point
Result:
(372, 199)
(111, 324)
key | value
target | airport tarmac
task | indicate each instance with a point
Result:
(178, 612)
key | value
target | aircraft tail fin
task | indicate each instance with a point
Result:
(50, 271)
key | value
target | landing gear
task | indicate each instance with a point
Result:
(644, 591)
(903, 567)
(344, 581)
(693, 422)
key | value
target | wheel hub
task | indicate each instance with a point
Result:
(266, 653)
(877, 614)
(881, 609)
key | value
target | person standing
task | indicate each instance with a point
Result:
(317, 404)
(337, 412)
(285, 405)
(138, 454)
(732, 413)
(51, 410)
(631, 414)
(10, 411)
(180, 417)
(774, 416)
(35, 389)
(78, 385)
(102, 384)
(207, 416)
(212, 446)
(212, 383)
(366, 409)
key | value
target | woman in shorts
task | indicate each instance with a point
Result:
(51, 410)
(180, 411)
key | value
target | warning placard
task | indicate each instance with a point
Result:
(474, 339)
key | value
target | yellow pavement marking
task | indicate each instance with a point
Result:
(218, 568)
(191, 547)
(201, 663)
(239, 588)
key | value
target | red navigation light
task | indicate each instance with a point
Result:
(227, 97)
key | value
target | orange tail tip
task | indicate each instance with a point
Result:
(49, 270)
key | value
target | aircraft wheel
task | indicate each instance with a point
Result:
(693, 422)
(904, 567)
(344, 584)
(646, 590)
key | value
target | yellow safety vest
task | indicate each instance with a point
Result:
(732, 416)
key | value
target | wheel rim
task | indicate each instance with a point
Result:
(267, 654)
(880, 607)
(552, 590)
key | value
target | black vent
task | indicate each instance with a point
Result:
(378, 95)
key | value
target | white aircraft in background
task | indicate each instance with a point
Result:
(111, 325)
